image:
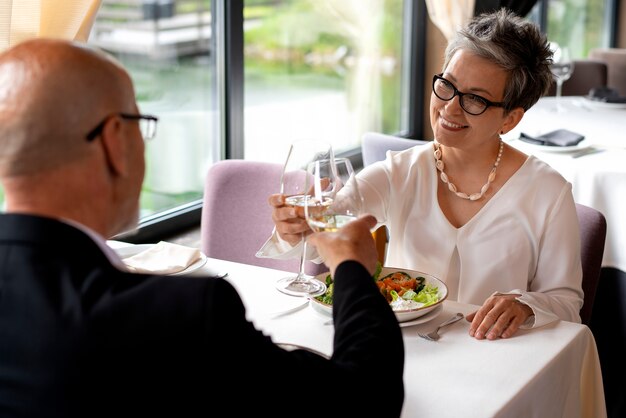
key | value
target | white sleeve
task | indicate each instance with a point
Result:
(279, 249)
(555, 292)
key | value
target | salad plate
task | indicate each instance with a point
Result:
(424, 318)
(131, 250)
(432, 285)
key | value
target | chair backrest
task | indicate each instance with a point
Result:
(236, 216)
(592, 237)
(588, 74)
(615, 59)
(374, 146)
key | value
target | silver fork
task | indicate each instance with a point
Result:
(434, 335)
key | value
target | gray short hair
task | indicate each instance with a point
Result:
(516, 45)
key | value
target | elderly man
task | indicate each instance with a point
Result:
(79, 336)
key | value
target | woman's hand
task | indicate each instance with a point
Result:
(499, 317)
(289, 220)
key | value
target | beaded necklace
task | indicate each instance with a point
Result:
(444, 177)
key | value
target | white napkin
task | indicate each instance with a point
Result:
(163, 258)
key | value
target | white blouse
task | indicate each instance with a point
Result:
(525, 239)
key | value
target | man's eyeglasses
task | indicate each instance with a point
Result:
(471, 103)
(147, 125)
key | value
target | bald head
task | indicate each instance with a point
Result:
(52, 93)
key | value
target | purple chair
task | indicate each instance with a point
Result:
(374, 146)
(592, 237)
(236, 216)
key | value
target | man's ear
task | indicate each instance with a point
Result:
(114, 145)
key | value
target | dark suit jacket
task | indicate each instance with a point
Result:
(79, 338)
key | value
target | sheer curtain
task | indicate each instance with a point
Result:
(362, 22)
(450, 15)
(26, 19)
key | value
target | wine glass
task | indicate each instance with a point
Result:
(335, 200)
(562, 68)
(295, 185)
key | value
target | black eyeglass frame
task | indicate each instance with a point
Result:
(488, 103)
(95, 132)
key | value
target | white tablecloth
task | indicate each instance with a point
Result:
(553, 371)
(598, 179)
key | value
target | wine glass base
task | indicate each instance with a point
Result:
(301, 286)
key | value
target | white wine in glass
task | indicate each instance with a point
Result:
(296, 186)
(335, 200)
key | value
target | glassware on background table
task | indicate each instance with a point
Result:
(562, 68)
(295, 184)
(335, 200)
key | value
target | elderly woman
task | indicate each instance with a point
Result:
(498, 226)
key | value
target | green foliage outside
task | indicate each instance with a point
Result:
(578, 24)
(288, 32)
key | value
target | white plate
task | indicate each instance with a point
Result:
(291, 347)
(129, 251)
(603, 105)
(405, 315)
(584, 144)
(424, 318)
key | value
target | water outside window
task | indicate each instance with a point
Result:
(322, 69)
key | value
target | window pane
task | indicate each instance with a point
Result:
(327, 69)
(165, 47)
(579, 24)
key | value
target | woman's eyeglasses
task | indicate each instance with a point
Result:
(471, 103)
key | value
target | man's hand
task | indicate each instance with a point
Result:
(352, 242)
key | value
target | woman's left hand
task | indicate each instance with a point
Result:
(500, 316)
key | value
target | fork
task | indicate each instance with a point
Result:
(434, 335)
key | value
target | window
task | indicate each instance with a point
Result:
(165, 46)
(326, 69)
(579, 24)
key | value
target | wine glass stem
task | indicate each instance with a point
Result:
(559, 89)
(301, 273)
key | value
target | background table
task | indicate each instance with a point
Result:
(552, 371)
(598, 179)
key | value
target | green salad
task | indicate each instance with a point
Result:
(400, 289)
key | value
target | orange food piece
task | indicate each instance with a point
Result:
(398, 281)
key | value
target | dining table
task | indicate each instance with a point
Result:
(596, 167)
(551, 371)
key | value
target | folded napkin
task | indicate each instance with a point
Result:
(558, 138)
(606, 95)
(163, 258)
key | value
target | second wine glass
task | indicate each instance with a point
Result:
(296, 185)
(335, 200)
